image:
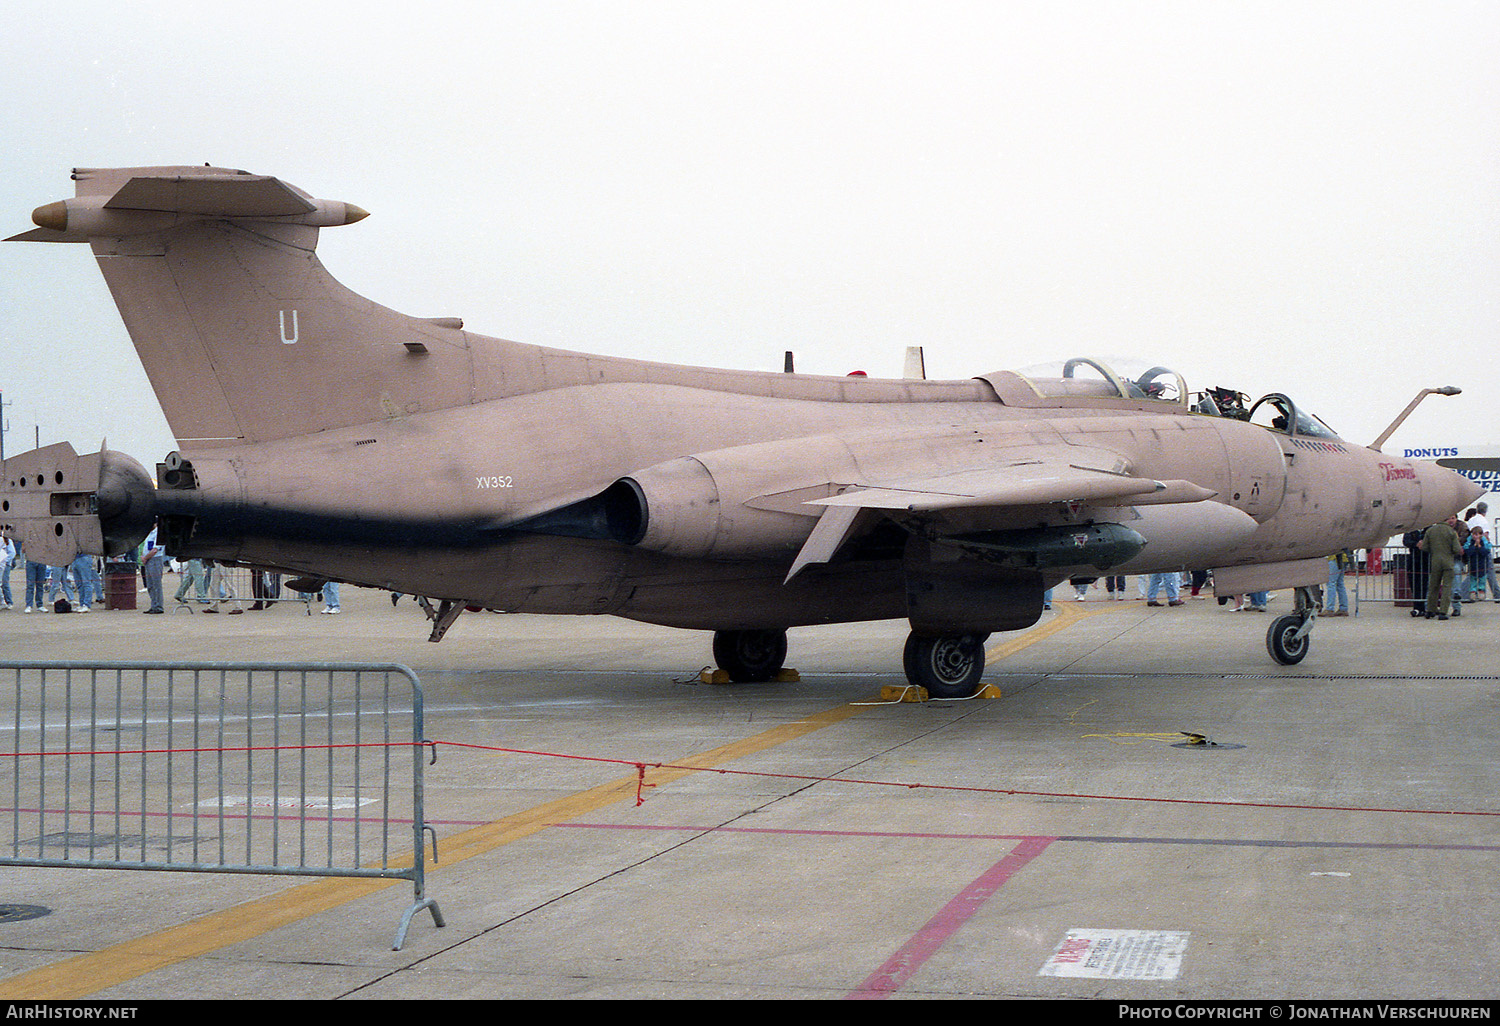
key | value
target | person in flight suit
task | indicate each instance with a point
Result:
(1440, 541)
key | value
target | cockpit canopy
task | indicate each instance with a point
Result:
(1082, 381)
(1084, 376)
(1279, 413)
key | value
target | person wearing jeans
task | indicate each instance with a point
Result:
(36, 585)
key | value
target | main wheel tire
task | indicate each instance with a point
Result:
(948, 666)
(750, 656)
(1282, 641)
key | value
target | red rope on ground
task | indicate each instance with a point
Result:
(641, 767)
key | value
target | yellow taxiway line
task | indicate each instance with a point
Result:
(1067, 615)
(91, 973)
(88, 974)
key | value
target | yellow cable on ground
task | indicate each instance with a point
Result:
(1175, 736)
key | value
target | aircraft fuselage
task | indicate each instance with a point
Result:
(1306, 499)
(324, 434)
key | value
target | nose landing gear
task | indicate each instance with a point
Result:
(1290, 636)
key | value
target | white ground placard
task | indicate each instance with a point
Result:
(312, 801)
(1118, 954)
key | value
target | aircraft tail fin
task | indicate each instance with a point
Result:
(243, 333)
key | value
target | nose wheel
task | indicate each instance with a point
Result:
(1290, 636)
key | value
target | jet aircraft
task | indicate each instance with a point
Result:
(322, 434)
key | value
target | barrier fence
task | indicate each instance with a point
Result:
(1381, 575)
(214, 588)
(1396, 574)
(279, 769)
(230, 589)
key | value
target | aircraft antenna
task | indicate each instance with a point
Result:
(916, 366)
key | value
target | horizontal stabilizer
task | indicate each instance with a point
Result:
(48, 501)
(219, 195)
(122, 202)
(48, 235)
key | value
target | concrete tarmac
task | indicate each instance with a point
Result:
(1339, 839)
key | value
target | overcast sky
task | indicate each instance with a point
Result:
(1298, 197)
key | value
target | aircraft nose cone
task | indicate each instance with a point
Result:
(1445, 491)
(1469, 493)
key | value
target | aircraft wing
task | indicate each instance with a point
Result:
(1068, 474)
(1023, 484)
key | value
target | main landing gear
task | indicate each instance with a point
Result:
(750, 656)
(1290, 636)
(947, 665)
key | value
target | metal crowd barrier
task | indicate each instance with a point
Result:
(1381, 575)
(280, 769)
(1398, 575)
(231, 589)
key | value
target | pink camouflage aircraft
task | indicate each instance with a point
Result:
(322, 434)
